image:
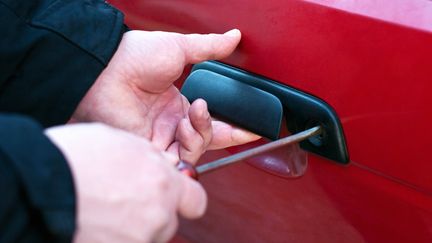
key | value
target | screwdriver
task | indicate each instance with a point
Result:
(188, 169)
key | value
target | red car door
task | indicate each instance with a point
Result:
(371, 62)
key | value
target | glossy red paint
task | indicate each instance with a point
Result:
(411, 13)
(371, 63)
(329, 203)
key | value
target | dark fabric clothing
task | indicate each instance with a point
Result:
(51, 52)
(37, 194)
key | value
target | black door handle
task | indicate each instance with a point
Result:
(240, 103)
(258, 104)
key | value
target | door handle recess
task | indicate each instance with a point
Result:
(259, 104)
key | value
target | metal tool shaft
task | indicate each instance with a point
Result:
(298, 137)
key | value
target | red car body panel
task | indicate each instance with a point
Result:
(372, 64)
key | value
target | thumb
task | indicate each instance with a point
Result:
(193, 198)
(198, 48)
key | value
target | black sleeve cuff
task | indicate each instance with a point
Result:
(45, 183)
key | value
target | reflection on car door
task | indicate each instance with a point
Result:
(372, 66)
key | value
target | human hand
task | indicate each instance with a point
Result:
(127, 189)
(135, 92)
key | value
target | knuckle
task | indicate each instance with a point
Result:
(195, 145)
(162, 180)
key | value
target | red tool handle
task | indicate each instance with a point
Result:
(187, 169)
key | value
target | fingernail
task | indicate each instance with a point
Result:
(206, 115)
(233, 33)
(204, 109)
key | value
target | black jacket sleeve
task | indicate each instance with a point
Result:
(51, 51)
(37, 194)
